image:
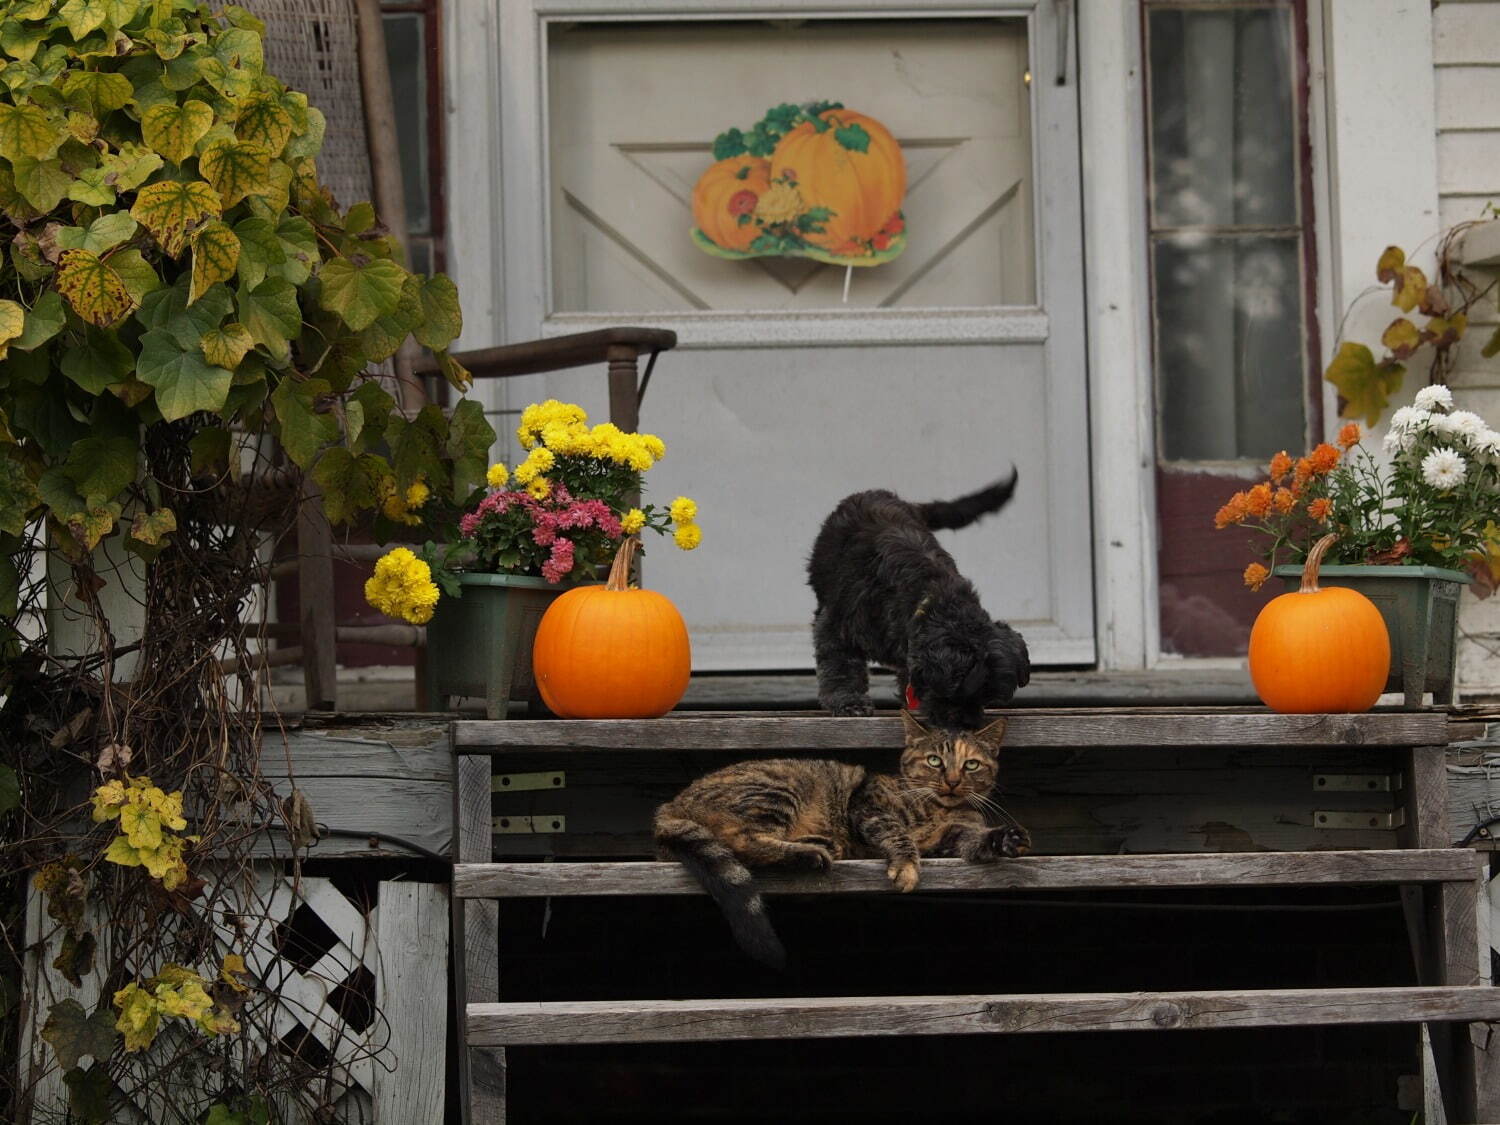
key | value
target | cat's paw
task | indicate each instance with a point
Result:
(903, 874)
(1007, 842)
(846, 706)
(803, 856)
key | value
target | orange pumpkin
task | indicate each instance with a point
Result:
(610, 652)
(864, 189)
(1319, 650)
(726, 192)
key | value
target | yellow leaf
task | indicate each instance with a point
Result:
(1365, 387)
(96, 292)
(26, 130)
(1389, 266)
(1401, 337)
(226, 346)
(171, 209)
(236, 169)
(173, 130)
(120, 851)
(1411, 287)
(12, 323)
(216, 255)
(1446, 331)
(265, 121)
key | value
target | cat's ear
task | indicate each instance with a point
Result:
(913, 728)
(989, 738)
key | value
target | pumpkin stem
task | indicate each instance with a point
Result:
(619, 571)
(1314, 561)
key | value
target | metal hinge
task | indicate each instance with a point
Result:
(1359, 818)
(528, 825)
(516, 782)
(1357, 782)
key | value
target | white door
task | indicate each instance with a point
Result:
(939, 372)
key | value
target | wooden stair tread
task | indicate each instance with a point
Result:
(660, 1021)
(1029, 728)
(1082, 872)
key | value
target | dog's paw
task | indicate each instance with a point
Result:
(903, 874)
(809, 857)
(1007, 842)
(846, 706)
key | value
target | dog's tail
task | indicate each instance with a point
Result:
(727, 881)
(942, 515)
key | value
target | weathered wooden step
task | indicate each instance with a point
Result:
(1053, 873)
(662, 1021)
(1027, 729)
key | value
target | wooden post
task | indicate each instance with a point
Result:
(624, 405)
(410, 922)
(315, 600)
(476, 946)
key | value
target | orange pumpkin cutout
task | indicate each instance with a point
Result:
(862, 185)
(610, 652)
(1319, 650)
(725, 195)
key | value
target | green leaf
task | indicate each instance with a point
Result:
(91, 189)
(361, 292)
(18, 496)
(442, 319)
(171, 209)
(306, 427)
(99, 361)
(417, 448)
(44, 321)
(1365, 387)
(235, 169)
(458, 376)
(129, 168)
(266, 122)
(74, 1034)
(226, 346)
(239, 49)
(135, 272)
(729, 143)
(383, 338)
(175, 130)
(95, 291)
(26, 130)
(42, 183)
(209, 452)
(97, 91)
(853, 137)
(184, 381)
(359, 218)
(168, 309)
(375, 409)
(271, 313)
(89, 1093)
(309, 142)
(470, 437)
(350, 483)
(216, 254)
(83, 16)
(10, 785)
(20, 40)
(76, 957)
(299, 250)
(104, 233)
(101, 467)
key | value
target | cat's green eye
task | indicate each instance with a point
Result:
(971, 764)
(934, 760)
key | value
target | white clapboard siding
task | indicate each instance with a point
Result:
(1465, 33)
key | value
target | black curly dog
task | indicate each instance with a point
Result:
(889, 594)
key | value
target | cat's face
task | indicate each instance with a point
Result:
(953, 766)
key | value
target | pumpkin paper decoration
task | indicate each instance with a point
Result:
(612, 652)
(818, 181)
(1319, 650)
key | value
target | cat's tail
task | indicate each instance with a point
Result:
(727, 881)
(941, 515)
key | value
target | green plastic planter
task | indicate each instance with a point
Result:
(479, 645)
(1420, 607)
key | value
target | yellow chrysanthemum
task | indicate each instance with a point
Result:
(397, 506)
(417, 494)
(654, 446)
(402, 587)
(539, 489)
(571, 439)
(683, 510)
(537, 418)
(497, 476)
(781, 203)
(541, 458)
(687, 536)
(632, 521)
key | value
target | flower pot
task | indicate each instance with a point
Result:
(479, 644)
(1420, 607)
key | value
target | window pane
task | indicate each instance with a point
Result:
(1229, 349)
(404, 48)
(1223, 131)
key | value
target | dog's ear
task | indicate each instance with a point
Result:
(1009, 662)
(975, 680)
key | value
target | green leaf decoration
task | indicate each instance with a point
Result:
(1365, 387)
(135, 272)
(44, 320)
(42, 183)
(98, 362)
(307, 425)
(97, 91)
(350, 483)
(175, 130)
(18, 496)
(729, 143)
(216, 254)
(89, 1092)
(101, 467)
(74, 1034)
(96, 292)
(361, 292)
(235, 169)
(184, 381)
(263, 120)
(271, 313)
(12, 324)
(26, 130)
(470, 437)
(226, 346)
(442, 319)
(853, 137)
(171, 209)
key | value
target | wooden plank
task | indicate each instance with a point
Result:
(1467, 95)
(476, 949)
(1466, 33)
(1027, 729)
(662, 1021)
(1467, 161)
(860, 876)
(412, 922)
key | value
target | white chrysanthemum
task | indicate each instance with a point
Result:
(1466, 424)
(1442, 426)
(1395, 441)
(1444, 468)
(1408, 419)
(1487, 443)
(1430, 398)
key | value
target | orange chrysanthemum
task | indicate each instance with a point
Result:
(1320, 508)
(1303, 472)
(1281, 464)
(1323, 458)
(1256, 575)
(1232, 512)
(1258, 500)
(1284, 501)
(1349, 436)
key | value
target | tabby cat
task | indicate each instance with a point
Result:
(801, 814)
